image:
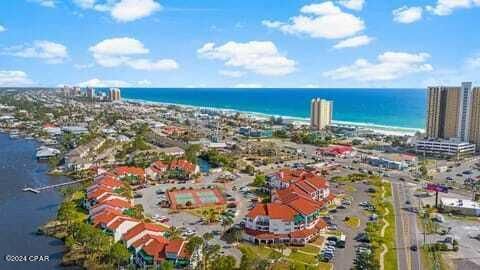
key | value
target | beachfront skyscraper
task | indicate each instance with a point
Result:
(90, 92)
(320, 113)
(114, 94)
(454, 112)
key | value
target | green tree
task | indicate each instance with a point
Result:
(173, 233)
(191, 153)
(194, 243)
(119, 254)
(68, 214)
(226, 219)
(53, 162)
(260, 180)
(224, 263)
(210, 215)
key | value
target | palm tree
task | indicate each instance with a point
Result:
(210, 215)
(226, 218)
(173, 233)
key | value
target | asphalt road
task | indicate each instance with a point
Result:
(406, 228)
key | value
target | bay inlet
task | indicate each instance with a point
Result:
(21, 213)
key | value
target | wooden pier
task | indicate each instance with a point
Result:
(37, 190)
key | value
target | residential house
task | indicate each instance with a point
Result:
(135, 175)
(156, 170)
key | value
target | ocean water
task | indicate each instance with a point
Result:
(402, 109)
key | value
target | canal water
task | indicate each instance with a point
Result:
(21, 213)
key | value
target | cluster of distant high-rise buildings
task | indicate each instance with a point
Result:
(112, 94)
(453, 120)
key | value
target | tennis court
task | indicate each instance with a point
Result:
(208, 197)
(183, 198)
(196, 197)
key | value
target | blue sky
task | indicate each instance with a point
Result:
(258, 43)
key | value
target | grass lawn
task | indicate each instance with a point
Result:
(296, 258)
(382, 204)
(391, 256)
(428, 259)
(310, 249)
(302, 257)
(353, 222)
(350, 189)
(284, 265)
(259, 250)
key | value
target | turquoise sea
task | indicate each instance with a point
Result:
(390, 109)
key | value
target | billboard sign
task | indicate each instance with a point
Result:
(437, 188)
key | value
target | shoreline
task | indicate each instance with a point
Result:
(377, 128)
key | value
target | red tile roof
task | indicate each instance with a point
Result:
(115, 203)
(148, 237)
(304, 205)
(158, 166)
(114, 225)
(105, 216)
(108, 181)
(174, 246)
(155, 249)
(272, 210)
(258, 210)
(98, 191)
(126, 170)
(183, 164)
(140, 228)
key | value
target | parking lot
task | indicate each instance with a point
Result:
(344, 256)
(192, 224)
(463, 229)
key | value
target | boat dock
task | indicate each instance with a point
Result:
(37, 190)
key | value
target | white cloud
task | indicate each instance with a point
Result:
(122, 10)
(390, 66)
(473, 62)
(146, 64)
(407, 14)
(84, 66)
(85, 4)
(353, 4)
(261, 57)
(14, 78)
(103, 83)
(113, 83)
(231, 73)
(51, 52)
(446, 7)
(2, 28)
(353, 42)
(45, 3)
(324, 20)
(248, 85)
(131, 10)
(124, 51)
(144, 83)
